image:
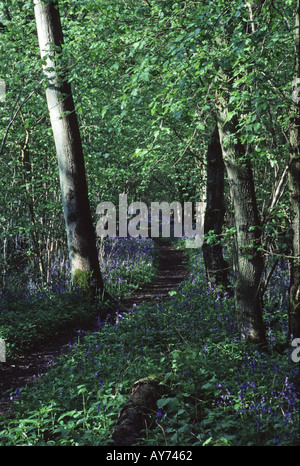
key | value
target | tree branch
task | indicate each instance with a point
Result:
(14, 114)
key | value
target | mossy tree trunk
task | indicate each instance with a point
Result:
(78, 220)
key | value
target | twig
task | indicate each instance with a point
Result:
(109, 295)
(12, 118)
(268, 278)
(277, 193)
(280, 255)
(13, 115)
(164, 434)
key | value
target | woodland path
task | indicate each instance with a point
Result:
(27, 368)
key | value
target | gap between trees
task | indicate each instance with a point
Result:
(228, 152)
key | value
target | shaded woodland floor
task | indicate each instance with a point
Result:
(30, 366)
(171, 272)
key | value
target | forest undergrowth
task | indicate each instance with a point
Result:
(221, 391)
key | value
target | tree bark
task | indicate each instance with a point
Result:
(138, 411)
(294, 191)
(215, 265)
(250, 263)
(81, 236)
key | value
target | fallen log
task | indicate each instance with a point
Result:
(138, 412)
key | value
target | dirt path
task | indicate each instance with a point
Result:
(28, 367)
(171, 272)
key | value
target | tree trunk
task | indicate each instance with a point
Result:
(215, 265)
(26, 165)
(137, 413)
(248, 300)
(81, 236)
(294, 190)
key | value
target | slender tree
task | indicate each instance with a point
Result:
(27, 172)
(78, 220)
(215, 265)
(238, 164)
(250, 261)
(294, 190)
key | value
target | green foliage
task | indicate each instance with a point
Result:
(33, 315)
(144, 77)
(29, 322)
(83, 280)
(128, 264)
(221, 391)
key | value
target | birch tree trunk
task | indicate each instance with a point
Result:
(294, 190)
(79, 227)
